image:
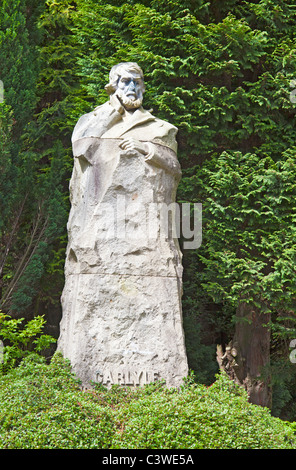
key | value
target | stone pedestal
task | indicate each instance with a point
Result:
(124, 329)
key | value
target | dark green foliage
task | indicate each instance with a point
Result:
(18, 62)
(249, 204)
(32, 181)
(43, 407)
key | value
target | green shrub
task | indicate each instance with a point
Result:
(199, 417)
(43, 406)
(21, 340)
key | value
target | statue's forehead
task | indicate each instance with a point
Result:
(130, 74)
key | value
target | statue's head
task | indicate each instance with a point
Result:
(126, 80)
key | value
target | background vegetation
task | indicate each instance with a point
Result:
(221, 72)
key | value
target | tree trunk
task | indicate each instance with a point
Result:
(246, 359)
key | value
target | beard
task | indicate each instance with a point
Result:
(127, 102)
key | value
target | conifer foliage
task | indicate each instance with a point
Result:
(33, 215)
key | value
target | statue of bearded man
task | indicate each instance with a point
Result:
(123, 117)
(122, 320)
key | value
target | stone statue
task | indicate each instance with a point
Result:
(122, 316)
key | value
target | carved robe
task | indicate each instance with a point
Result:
(122, 296)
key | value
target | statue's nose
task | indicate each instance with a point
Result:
(132, 85)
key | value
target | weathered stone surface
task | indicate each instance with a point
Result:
(122, 316)
(120, 323)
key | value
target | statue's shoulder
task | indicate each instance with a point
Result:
(166, 125)
(159, 122)
(102, 108)
(162, 132)
(97, 118)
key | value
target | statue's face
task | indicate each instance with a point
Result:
(130, 89)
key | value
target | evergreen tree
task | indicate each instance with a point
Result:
(33, 214)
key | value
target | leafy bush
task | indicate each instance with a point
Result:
(217, 417)
(20, 341)
(43, 406)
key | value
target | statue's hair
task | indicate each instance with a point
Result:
(116, 72)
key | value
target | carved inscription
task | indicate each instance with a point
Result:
(127, 377)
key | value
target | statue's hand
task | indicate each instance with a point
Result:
(133, 145)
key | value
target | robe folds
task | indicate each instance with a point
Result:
(122, 314)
